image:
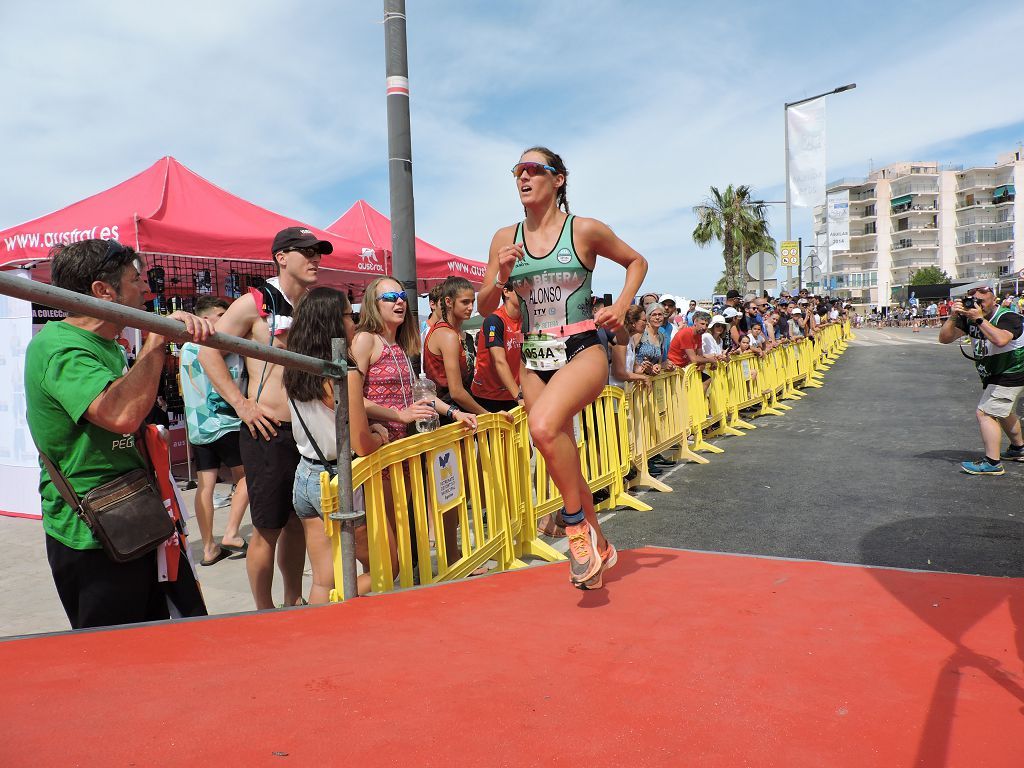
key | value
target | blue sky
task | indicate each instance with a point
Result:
(649, 103)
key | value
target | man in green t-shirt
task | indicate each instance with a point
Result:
(84, 407)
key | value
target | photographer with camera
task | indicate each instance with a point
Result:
(997, 334)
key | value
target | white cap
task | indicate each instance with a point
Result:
(798, 311)
(668, 297)
(716, 320)
(730, 312)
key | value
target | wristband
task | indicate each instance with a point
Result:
(499, 282)
(451, 411)
(979, 321)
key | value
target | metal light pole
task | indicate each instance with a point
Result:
(403, 224)
(785, 120)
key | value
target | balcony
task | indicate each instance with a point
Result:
(903, 204)
(865, 196)
(997, 235)
(906, 243)
(984, 257)
(981, 218)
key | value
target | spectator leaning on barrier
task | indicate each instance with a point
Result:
(319, 318)
(796, 323)
(213, 435)
(998, 339)
(84, 408)
(652, 345)
(686, 345)
(711, 341)
(444, 355)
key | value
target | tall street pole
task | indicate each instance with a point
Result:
(789, 206)
(403, 219)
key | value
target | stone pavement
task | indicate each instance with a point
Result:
(29, 602)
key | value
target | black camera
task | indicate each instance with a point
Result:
(969, 302)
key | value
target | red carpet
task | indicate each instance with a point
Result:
(684, 659)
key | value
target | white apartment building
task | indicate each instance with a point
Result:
(917, 214)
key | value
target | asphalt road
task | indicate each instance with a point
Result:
(863, 470)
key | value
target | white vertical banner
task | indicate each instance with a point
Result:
(805, 125)
(838, 212)
(19, 463)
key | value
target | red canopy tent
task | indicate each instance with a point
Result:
(169, 209)
(365, 224)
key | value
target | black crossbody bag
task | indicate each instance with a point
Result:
(126, 515)
(329, 467)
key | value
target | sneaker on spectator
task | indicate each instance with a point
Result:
(584, 561)
(222, 500)
(653, 469)
(1013, 453)
(608, 560)
(981, 467)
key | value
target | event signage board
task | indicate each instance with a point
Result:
(789, 253)
(805, 125)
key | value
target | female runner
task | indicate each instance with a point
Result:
(550, 259)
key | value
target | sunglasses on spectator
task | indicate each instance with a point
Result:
(534, 169)
(392, 296)
(309, 253)
(114, 250)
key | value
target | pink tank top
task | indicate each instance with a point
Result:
(388, 383)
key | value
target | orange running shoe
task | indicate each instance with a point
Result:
(584, 561)
(608, 560)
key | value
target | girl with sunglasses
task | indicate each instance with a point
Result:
(386, 337)
(550, 258)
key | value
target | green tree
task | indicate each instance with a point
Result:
(930, 276)
(738, 223)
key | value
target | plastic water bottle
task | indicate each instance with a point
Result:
(424, 389)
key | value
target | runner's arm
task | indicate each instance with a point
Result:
(500, 260)
(604, 242)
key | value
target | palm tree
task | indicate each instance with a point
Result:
(738, 223)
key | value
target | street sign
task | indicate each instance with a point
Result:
(789, 250)
(754, 265)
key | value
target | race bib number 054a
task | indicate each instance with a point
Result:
(543, 353)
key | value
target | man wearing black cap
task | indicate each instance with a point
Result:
(268, 449)
(734, 300)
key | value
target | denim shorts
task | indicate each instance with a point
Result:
(306, 489)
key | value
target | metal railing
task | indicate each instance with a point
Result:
(174, 330)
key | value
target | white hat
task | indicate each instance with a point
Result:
(797, 311)
(716, 320)
(668, 297)
(730, 312)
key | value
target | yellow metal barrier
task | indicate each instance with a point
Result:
(435, 474)
(659, 422)
(497, 487)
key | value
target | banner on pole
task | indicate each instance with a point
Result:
(806, 127)
(838, 222)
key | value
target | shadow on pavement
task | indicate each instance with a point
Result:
(985, 546)
(947, 455)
